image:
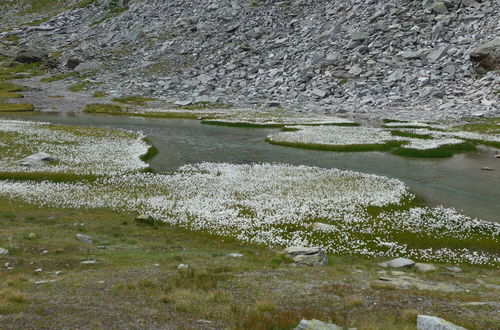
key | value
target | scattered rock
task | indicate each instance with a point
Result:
(486, 168)
(306, 256)
(487, 54)
(84, 239)
(397, 263)
(439, 7)
(182, 266)
(44, 281)
(31, 235)
(38, 270)
(88, 66)
(235, 255)
(422, 267)
(183, 103)
(454, 269)
(358, 35)
(427, 322)
(145, 219)
(318, 325)
(89, 262)
(401, 280)
(437, 54)
(4, 252)
(319, 93)
(481, 303)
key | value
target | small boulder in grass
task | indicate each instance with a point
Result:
(4, 251)
(428, 322)
(84, 239)
(306, 256)
(146, 220)
(422, 267)
(398, 263)
(318, 325)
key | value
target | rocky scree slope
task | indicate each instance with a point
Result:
(378, 59)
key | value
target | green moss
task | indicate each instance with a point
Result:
(133, 100)
(483, 125)
(341, 148)
(440, 152)
(152, 151)
(10, 87)
(12, 38)
(82, 86)
(10, 95)
(388, 121)
(47, 176)
(206, 106)
(100, 94)
(102, 108)
(411, 135)
(13, 107)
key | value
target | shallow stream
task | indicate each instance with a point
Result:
(455, 182)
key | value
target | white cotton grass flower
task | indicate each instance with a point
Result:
(77, 150)
(334, 135)
(275, 205)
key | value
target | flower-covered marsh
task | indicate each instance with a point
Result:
(75, 149)
(282, 205)
(417, 142)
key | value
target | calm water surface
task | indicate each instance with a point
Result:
(455, 182)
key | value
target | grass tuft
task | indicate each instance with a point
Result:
(440, 152)
(16, 107)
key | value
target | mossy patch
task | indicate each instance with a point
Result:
(439, 152)
(340, 148)
(10, 87)
(16, 107)
(10, 95)
(134, 100)
(103, 108)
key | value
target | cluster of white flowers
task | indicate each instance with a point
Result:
(334, 135)
(352, 136)
(276, 205)
(427, 144)
(78, 150)
(414, 124)
(464, 136)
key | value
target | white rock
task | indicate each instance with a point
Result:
(84, 238)
(4, 251)
(183, 266)
(397, 263)
(427, 322)
(235, 255)
(421, 267)
(318, 325)
(89, 262)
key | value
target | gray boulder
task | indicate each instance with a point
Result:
(84, 239)
(31, 55)
(427, 322)
(38, 159)
(487, 55)
(4, 252)
(398, 263)
(306, 256)
(88, 66)
(316, 325)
